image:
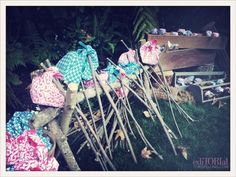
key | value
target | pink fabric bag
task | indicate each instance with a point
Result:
(44, 92)
(103, 77)
(150, 52)
(27, 152)
(127, 57)
(120, 91)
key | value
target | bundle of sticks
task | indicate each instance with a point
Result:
(109, 125)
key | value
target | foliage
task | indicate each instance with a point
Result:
(144, 21)
(37, 33)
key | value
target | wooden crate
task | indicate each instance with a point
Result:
(185, 58)
(191, 42)
(202, 75)
(198, 92)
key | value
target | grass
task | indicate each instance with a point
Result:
(207, 137)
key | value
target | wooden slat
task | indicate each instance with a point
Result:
(193, 42)
(186, 58)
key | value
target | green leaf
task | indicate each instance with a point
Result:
(13, 79)
(138, 13)
(14, 59)
(140, 32)
(112, 46)
(138, 23)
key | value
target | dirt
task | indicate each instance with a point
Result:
(179, 95)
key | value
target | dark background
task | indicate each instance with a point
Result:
(37, 33)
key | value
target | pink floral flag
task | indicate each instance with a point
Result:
(44, 92)
(127, 57)
(27, 152)
(150, 52)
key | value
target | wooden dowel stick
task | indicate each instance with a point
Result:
(48, 63)
(118, 116)
(154, 95)
(144, 94)
(100, 105)
(125, 114)
(96, 138)
(139, 127)
(113, 130)
(97, 154)
(90, 109)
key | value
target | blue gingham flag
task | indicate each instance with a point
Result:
(113, 73)
(74, 66)
(20, 122)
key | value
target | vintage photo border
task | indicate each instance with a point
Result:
(5, 3)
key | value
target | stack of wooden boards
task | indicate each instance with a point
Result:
(193, 51)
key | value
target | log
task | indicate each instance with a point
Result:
(44, 116)
(192, 42)
(69, 107)
(91, 92)
(63, 146)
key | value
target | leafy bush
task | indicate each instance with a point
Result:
(37, 33)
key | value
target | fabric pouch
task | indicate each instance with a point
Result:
(27, 152)
(74, 66)
(44, 92)
(19, 122)
(150, 52)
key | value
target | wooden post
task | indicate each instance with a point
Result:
(69, 107)
(63, 146)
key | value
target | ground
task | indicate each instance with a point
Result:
(207, 137)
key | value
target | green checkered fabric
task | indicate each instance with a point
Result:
(74, 66)
(113, 73)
